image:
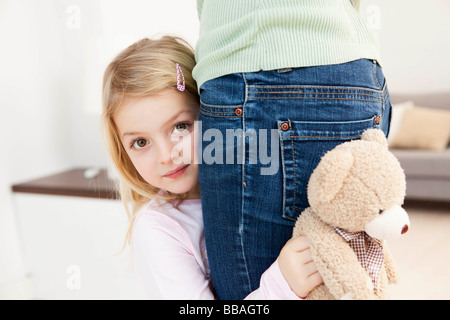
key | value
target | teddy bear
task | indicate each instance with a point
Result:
(355, 196)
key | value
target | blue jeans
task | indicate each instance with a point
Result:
(250, 205)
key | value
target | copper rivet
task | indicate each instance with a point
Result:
(238, 112)
(377, 120)
(285, 126)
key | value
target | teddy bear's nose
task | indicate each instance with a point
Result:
(405, 229)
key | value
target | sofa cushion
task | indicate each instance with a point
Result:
(420, 163)
(421, 128)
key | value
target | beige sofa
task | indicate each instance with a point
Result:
(427, 171)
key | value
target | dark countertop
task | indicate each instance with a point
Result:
(71, 183)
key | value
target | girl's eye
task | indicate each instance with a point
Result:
(139, 144)
(180, 127)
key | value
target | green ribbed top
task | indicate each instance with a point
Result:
(253, 35)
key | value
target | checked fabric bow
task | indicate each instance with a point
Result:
(369, 252)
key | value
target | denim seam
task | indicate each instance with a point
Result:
(352, 89)
(314, 98)
(214, 116)
(284, 177)
(385, 95)
(385, 90)
(336, 122)
(243, 130)
(326, 137)
(224, 111)
(318, 93)
(375, 74)
(241, 229)
(270, 92)
(219, 106)
(293, 158)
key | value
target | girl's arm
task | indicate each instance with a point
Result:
(165, 262)
(168, 266)
(292, 276)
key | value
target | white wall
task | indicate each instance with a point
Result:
(33, 127)
(33, 97)
(13, 281)
(415, 42)
(52, 57)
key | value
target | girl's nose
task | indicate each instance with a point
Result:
(165, 153)
(171, 152)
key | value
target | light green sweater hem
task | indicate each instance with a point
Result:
(252, 35)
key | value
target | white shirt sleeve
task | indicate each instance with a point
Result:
(165, 263)
(273, 286)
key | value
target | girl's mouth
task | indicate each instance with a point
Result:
(178, 172)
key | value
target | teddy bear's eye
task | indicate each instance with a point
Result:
(381, 211)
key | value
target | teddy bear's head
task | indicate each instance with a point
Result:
(360, 186)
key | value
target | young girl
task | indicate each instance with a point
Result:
(150, 104)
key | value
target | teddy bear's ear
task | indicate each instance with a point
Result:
(328, 177)
(375, 135)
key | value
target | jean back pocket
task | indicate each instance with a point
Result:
(303, 143)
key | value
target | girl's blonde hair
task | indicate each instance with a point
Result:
(145, 68)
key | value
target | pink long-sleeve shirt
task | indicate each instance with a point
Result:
(170, 261)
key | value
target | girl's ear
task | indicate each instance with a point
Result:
(329, 176)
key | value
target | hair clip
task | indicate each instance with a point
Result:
(180, 86)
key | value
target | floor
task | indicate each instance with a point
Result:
(423, 254)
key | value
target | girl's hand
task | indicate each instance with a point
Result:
(298, 268)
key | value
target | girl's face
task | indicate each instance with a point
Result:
(158, 135)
